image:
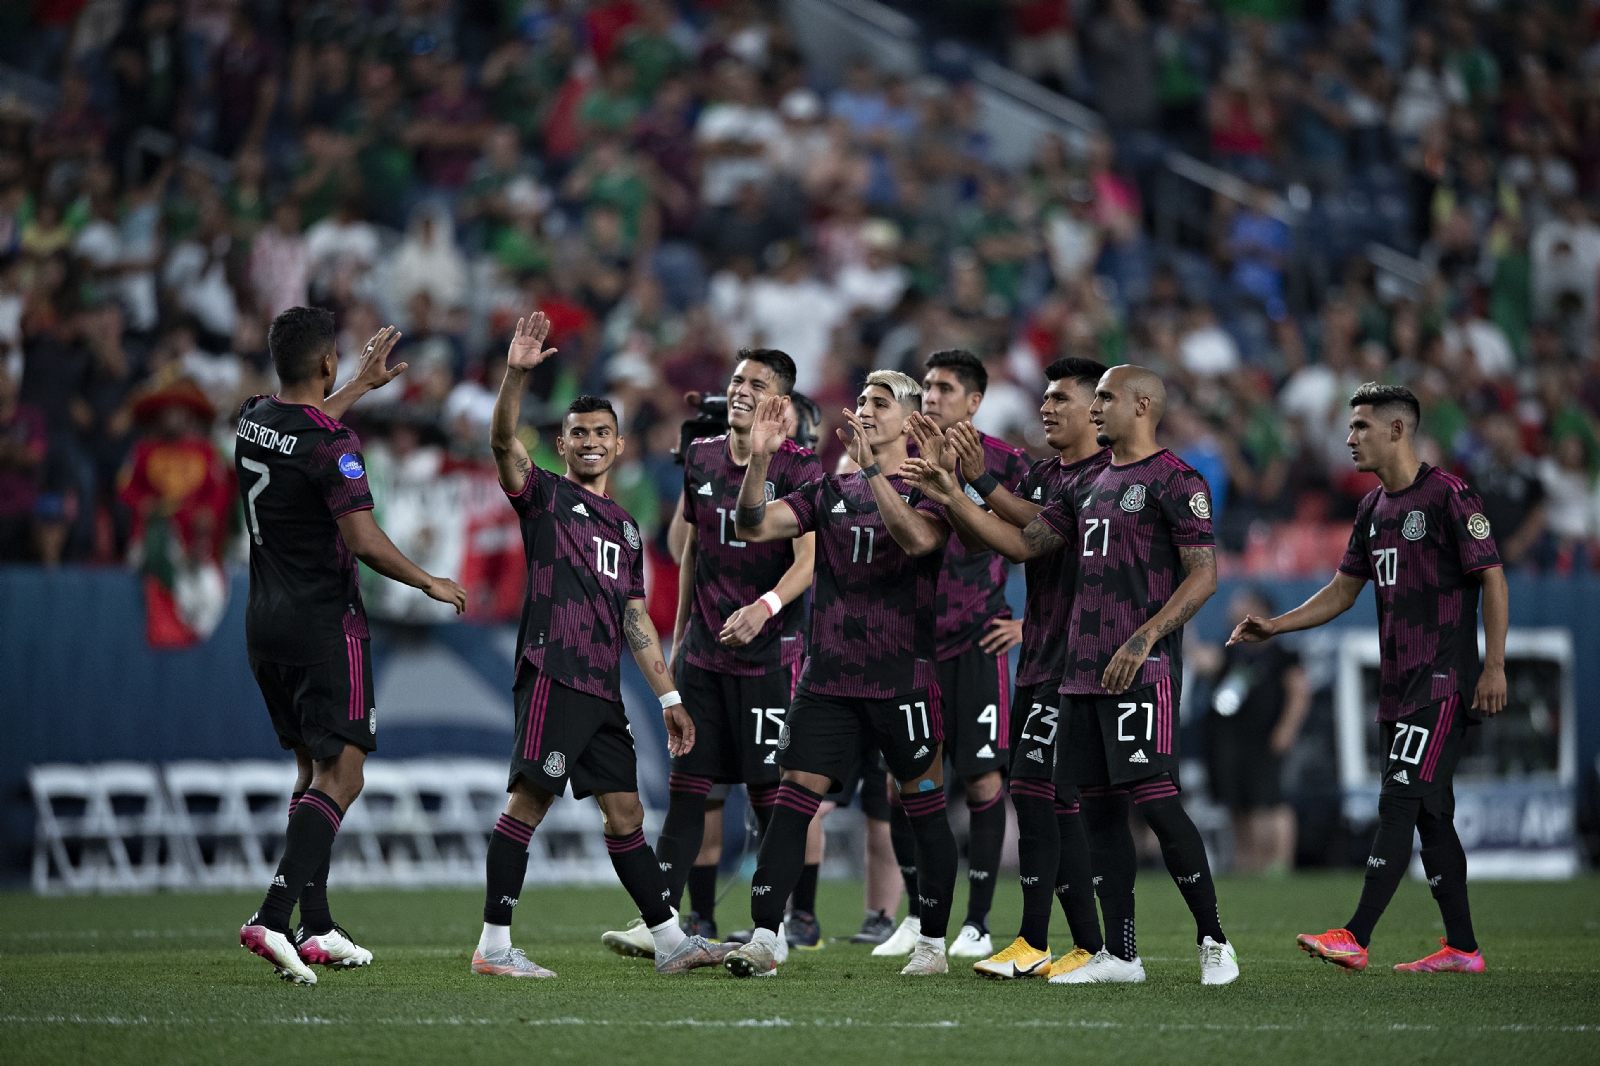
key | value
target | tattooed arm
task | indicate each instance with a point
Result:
(1200, 581)
(526, 352)
(641, 634)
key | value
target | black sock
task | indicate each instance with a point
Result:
(1386, 865)
(1038, 855)
(1075, 879)
(904, 842)
(762, 797)
(936, 858)
(1445, 863)
(987, 835)
(1183, 852)
(307, 845)
(505, 866)
(783, 854)
(703, 891)
(805, 889)
(315, 918)
(641, 875)
(1115, 863)
(684, 830)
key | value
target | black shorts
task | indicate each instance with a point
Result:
(566, 735)
(736, 724)
(1115, 740)
(871, 779)
(828, 735)
(1241, 770)
(977, 711)
(1034, 731)
(324, 706)
(1421, 751)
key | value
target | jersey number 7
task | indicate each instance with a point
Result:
(255, 467)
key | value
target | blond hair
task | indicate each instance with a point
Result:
(902, 387)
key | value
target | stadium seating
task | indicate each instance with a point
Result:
(102, 827)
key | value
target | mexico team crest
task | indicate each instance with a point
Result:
(1415, 527)
(975, 496)
(1478, 526)
(1200, 504)
(772, 492)
(555, 764)
(1133, 499)
(783, 737)
(631, 535)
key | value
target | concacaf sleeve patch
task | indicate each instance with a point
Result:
(1200, 504)
(1478, 526)
(350, 466)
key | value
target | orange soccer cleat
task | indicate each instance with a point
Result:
(1446, 960)
(1336, 946)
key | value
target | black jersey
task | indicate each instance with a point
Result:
(299, 471)
(1048, 609)
(730, 573)
(972, 589)
(585, 562)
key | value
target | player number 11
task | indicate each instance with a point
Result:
(855, 550)
(911, 722)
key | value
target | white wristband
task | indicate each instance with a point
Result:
(671, 699)
(773, 602)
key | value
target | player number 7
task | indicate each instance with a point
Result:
(255, 467)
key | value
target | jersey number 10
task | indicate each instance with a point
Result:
(607, 556)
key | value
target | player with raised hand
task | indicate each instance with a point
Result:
(737, 643)
(1422, 539)
(308, 511)
(585, 596)
(869, 675)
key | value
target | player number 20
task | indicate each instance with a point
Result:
(1410, 741)
(1386, 565)
(911, 721)
(1102, 526)
(607, 556)
(1130, 709)
(768, 716)
(855, 550)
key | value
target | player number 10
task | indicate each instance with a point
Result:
(607, 555)
(1386, 564)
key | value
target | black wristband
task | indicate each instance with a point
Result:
(870, 472)
(985, 483)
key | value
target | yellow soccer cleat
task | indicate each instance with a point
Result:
(1019, 960)
(1069, 962)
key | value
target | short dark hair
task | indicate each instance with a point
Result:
(967, 368)
(587, 405)
(1085, 372)
(1389, 397)
(779, 363)
(299, 337)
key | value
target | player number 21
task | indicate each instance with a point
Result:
(1129, 709)
(1103, 525)
(1386, 565)
(911, 722)
(607, 555)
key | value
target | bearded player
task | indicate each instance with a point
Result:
(869, 677)
(585, 595)
(1422, 539)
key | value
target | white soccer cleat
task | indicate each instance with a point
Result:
(781, 956)
(926, 959)
(1104, 969)
(904, 939)
(756, 959)
(971, 943)
(635, 941)
(276, 948)
(1219, 963)
(508, 962)
(333, 948)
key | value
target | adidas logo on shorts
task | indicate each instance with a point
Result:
(838, 508)
(1138, 756)
(1036, 754)
(921, 752)
(771, 759)
(1401, 778)
(579, 508)
(986, 752)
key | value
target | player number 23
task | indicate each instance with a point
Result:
(1129, 709)
(1386, 565)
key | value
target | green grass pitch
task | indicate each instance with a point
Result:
(161, 979)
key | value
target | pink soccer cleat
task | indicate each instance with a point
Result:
(1336, 946)
(1446, 960)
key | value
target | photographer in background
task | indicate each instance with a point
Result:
(1258, 704)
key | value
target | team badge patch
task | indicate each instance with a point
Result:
(1133, 499)
(783, 737)
(350, 466)
(1200, 504)
(555, 764)
(1415, 527)
(631, 535)
(772, 492)
(974, 496)
(1478, 526)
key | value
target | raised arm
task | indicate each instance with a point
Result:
(754, 519)
(1200, 581)
(1326, 604)
(917, 532)
(526, 352)
(372, 373)
(1490, 695)
(369, 543)
(964, 439)
(973, 523)
(646, 647)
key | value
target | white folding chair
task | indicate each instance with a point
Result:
(62, 859)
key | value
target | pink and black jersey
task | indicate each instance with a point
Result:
(730, 573)
(1420, 546)
(585, 562)
(872, 605)
(299, 472)
(1126, 525)
(972, 588)
(1051, 576)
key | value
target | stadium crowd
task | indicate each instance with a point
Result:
(669, 183)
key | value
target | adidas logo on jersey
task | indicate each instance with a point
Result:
(771, 759)
(1036, 754)
(1038, 493)
(1401, 778)
(986, 752)
(705, 490)
(579, 508)
(921, 752)
(1138, 756)
(838, 508)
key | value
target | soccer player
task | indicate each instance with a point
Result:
(737, 640)
(1422, 538)
(869, 674)
(1052, 850)
(585, 594)
(974, 632)
(308, 512)
(1146, 563)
